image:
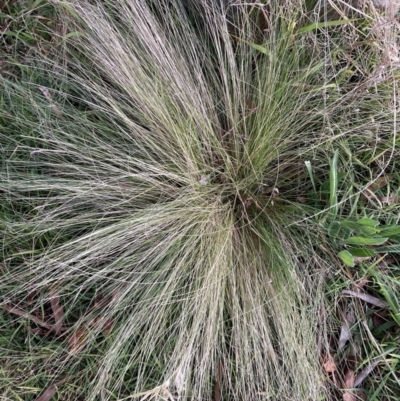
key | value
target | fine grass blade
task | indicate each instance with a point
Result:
(333, 185)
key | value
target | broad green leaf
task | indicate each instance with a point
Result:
(347, 258)
(365, 221)
(351, 224)
(365, 240)
(362, 252)
(368, 230)
(360, 228)
(333, 229)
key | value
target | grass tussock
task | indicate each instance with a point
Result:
(156, 172)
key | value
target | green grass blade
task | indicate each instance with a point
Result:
(325, 24)
(395, 248)
(311, 175)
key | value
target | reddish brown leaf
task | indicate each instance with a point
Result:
(51, 391)
(48, 394)
(361, 283)
(101, 303)
(20, 312)
(107, 328)
(329, 365)
(37, 330)
(348, 384)
(31, 297)
(46, 93)
(48, 96)
(103, 324)
(58, 313)
(358, 260)
(361, 395)
(250, 107)
(78, 340)
(349, 379)
(347, 396)
(365, 372)
(378, 183)
(369, 193)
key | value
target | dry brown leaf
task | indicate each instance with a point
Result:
(48, 394)
(367, 298)
(31, 297)
(364, 373)
(347, 396)
(392, 199)
(378, 183)
(301, 199)
(101, 303)
(361, 283)
(349, 379)
(78, 340)
(37, 330)
(51, 391)
(56, 110)
(46, 93)
(348, 384)
(369, 193)
(58, 313)
(103, 324)
(345, 333)
(48, 96)
(107, 328)
(384, 262)
(361, 395)
(105, 301)
(379, 318)
(17, 311)
(359, 259)
(345, 336)
(251, 106)
(329, 366)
